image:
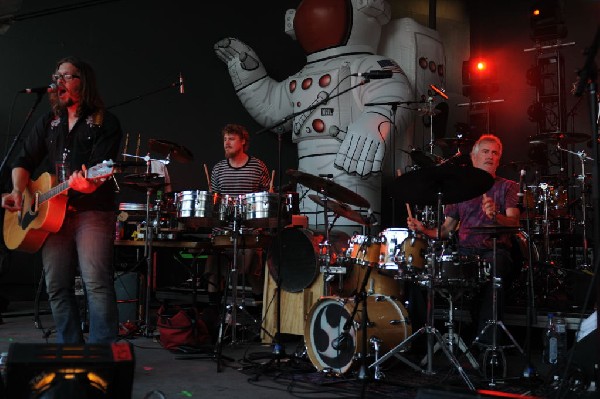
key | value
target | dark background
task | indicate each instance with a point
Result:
(139, 47)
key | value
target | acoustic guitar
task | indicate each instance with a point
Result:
(43, 210)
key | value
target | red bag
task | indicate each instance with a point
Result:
(181, 327)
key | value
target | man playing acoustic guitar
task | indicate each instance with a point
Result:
(80, 225)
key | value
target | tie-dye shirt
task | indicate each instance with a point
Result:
(470, 214)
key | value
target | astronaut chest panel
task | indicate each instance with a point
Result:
(327, 117)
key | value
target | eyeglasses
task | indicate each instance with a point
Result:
(67, 77)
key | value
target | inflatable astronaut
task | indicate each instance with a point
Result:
(346, 136)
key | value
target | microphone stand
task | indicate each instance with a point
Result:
(278, 349)
(142, 96)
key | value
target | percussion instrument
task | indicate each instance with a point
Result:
(300, 254)
(196, 208)
(460, 270)
(328, 187)
(247, 238)
(388, 321)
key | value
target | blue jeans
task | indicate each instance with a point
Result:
(85, 238)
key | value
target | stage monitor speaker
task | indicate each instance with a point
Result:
(48, 371)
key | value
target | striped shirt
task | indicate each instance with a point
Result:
(252, 177)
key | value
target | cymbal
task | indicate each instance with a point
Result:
(562, 138)
(494, 229)
(175, 151)
(446, 142)
(422, 159)
(328, 187)
(144, 180)
(455, 183)
(340, 209)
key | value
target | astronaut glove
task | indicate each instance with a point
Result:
(244, 66)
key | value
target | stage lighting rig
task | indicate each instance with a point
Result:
(547, 21)
(480, 78)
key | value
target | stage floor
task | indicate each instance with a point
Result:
(250, 370)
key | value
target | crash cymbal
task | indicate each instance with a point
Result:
(175, 151)
(447, 142)
(328, 187)
(562, 138)
(494, 229)
(340, 209)
(455, 183)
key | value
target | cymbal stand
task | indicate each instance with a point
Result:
(149, 255)
(582, 157)
(325, 247)
(494, 354)
(429, 328)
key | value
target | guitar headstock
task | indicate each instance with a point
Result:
(101, 170)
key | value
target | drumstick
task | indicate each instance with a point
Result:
(207, 176)
(272, 180)
(398, 174)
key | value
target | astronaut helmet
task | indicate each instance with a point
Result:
(325, 24)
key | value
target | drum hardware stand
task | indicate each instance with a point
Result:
(344, 337)
(529, 370)
(451, 338)
(429, 328)
(582, 157)
(494, 354)
(325, 249)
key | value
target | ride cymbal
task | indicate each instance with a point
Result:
(454, 184)
(328, 187)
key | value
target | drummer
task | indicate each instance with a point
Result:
(497, 206)
(239, 173)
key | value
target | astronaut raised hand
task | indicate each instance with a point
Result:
(244, 66)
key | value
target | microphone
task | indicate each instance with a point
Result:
(51, 88)
(521, 176)
(377, 74)
(181, 89)
(439, 91)
(341, 342)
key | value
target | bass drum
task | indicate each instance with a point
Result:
(388, 321)
(300, 256)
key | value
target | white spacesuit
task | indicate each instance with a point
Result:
(346, 136)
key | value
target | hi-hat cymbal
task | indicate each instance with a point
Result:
(175, 151)
(340, 209)
(447, 142)
(454, 183)
(494, 229)
(144, 180)
(328, 187)
(562, 138)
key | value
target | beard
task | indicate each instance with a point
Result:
(230, 153)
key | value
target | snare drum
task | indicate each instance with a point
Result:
(388, 321)
(460, 270)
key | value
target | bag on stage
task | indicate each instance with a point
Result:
(180, 327)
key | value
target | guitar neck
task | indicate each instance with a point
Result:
(53, 192)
